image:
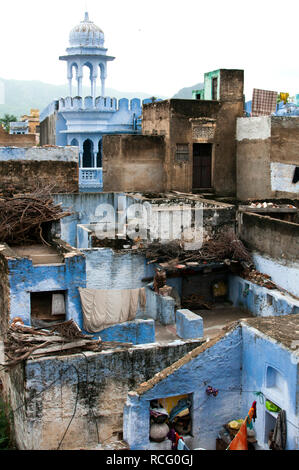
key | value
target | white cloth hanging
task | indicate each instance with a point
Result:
(106, 307)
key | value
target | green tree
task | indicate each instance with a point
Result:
(6, 119)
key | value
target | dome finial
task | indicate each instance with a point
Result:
(86, 17)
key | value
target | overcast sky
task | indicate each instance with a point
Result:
(160, 45)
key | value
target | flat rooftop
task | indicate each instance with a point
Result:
(283, 329)
(39, 254)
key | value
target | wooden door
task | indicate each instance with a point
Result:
(202, 166)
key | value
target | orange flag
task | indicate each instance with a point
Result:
(240, 440)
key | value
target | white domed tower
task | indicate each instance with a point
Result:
(87, 50)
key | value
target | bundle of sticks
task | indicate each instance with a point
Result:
(224, 246)
(22, 216)
(24, 342)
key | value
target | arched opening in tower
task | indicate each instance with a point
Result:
(87, 154)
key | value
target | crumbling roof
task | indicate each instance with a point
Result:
(284, 329)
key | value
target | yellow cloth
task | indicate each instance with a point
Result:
(170, 402)
(284, 97)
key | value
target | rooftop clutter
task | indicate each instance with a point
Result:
(22, 217)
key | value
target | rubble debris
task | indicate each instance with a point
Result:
(195, 301)
(259, 278)
(22, 216)
(270, 205)
(25, 342)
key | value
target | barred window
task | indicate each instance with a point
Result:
(182, 152)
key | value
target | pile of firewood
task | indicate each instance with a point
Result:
(22, 216)
(24, 342)
(224, 246)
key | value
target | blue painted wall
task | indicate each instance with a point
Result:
(136, 332)
(24, 278)
(259, 300)
(218, 366)
(260, 353)
(108, 269)
(188, 324)
(84, 208)
(283, 273)
(242, 363)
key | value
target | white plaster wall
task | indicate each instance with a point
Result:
(284, 274)
(254, 128)
(282, 176)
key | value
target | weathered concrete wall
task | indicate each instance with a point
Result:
(267, 155)
(285, 139)
(39, 154)
(181, 121)
(188, 324)
(25, 278)
(224, 165)
(164, 217)
(48, 130)
(253, 157)
(84, 208)
(108, 269)
(231, 84)
(208, 413)
(17, 140)
(260, 301)
(95, 385)
(139, 331)
(133, 163)
(24, 170)
(284, 273)
(277, 238)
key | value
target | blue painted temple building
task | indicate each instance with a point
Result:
(82, 121)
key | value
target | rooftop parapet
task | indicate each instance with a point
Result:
(100, 104)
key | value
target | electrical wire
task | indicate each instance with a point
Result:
(75, 409)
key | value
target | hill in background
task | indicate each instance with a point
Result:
(186, 93)
(20, 95)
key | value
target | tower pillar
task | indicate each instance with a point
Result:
(79, 87)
